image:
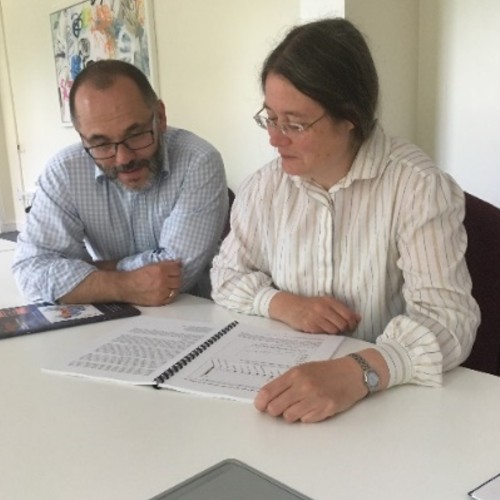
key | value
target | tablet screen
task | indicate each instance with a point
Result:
(228, 480)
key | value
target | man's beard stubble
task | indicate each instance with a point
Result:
(154, 165)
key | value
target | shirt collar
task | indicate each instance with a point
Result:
(368, 163)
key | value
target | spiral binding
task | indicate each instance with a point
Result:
(192, 355)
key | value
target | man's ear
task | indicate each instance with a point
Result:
(161, 113)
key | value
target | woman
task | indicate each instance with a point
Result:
(348, 230)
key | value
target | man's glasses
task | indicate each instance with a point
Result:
(134, 142)
(287, 128)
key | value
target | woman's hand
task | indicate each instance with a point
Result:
(314, 391)
(313, 314)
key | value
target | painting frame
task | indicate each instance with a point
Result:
(88, 30)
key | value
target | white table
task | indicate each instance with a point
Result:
(7, 245)
(69, 438)
(9, 293)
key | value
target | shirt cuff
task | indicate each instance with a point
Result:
(262, 301)
(398, 360)
(403, 370)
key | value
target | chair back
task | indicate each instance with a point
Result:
(482, 223)
(227, 226)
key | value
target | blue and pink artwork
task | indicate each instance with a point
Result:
(99, 29)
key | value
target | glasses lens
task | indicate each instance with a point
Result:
(102, 152)
(140, 141)
(292, 128)
(261, 121)
(133, 143)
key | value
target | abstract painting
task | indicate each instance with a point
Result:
(100, 29)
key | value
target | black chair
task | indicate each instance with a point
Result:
(482, 223)
(227, 227)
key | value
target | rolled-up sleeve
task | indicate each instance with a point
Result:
(51, 258)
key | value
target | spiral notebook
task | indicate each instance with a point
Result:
(228, 361)
(35, 318)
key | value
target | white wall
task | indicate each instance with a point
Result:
(209, 55)
(439, 68)
(459, 91)
(33, 120)
(315, 9)
(4, 175)
(391, 29)
(9, 174)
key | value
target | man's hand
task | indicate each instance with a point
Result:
(152, 285)
(313, 314)
(155, 284)
(314, 391)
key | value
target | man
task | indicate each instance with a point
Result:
(134, 212)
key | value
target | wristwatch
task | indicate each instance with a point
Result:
(370, 376)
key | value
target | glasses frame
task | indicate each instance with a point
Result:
(152, 132)
(286, 128)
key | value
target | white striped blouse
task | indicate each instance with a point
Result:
(387, 240)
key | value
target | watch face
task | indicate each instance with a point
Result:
(372, 379)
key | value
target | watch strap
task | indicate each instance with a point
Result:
(367, 371)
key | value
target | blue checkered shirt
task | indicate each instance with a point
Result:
(79, 216)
